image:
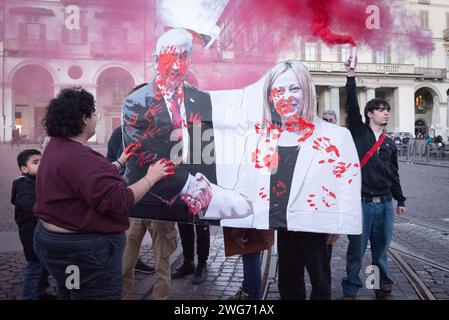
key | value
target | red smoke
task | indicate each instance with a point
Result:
(322, 14)
(335, 22)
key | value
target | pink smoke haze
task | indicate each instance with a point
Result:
(256, 32)
(338, 22)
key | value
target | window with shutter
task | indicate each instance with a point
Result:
(424, 17)
(310, 51)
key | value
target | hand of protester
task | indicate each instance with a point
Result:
(400, 211)
(123, 159)
(332, 238)
(350, 72)
(159, 169)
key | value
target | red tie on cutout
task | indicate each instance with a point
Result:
(176, 113)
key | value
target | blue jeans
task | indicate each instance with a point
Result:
(252, 280)
(378, 219)
(35, 281)
(98, 257)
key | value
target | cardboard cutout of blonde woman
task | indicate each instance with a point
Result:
(255, 158)
(297, 172)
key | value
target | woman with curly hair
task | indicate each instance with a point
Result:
(82, 202)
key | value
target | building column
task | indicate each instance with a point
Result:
(335, 102)
(6, 120)
(447, 117)
(370, 94)
(404, 106)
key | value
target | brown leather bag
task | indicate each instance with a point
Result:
(244, 241)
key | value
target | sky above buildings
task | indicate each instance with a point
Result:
(199, 15)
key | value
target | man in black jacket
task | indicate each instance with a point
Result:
(380, 183)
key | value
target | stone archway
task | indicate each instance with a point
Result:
(32, 88)
(424, 100)
(421, 127)
(113, 85)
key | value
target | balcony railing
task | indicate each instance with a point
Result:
(124, 51)
(15, 47)
(330, 66)
(431, 73)
(446, 34)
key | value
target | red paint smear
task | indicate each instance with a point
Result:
(133, 149)
(283, 106)
(340, 169)
(153, 110)
(143, 159)
(333, 148)
(326, 146)
(271, 161)
(171, 66)
(299, 124)
(151, 131)
(255, 159)
(279, 189)
(321, 161)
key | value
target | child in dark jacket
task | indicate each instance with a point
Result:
(35, 276)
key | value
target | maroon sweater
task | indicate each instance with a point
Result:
(79, 190)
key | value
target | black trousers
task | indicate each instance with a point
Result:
(26, 235)
(297, 250)
(187, 234)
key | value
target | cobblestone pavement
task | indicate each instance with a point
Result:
(424, 186)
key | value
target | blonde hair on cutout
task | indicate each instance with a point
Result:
(308, 110)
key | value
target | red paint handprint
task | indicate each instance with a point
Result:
(299, 124)
(326, 198)
(271, 161)
(311, 201)
(255, 159)
(263, 194)
(323, 144)
(153, 110)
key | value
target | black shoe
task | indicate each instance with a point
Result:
(47, 296)
(200, 274)
(240, 295)
(142, 267)
(184, 270)
(382, 294)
